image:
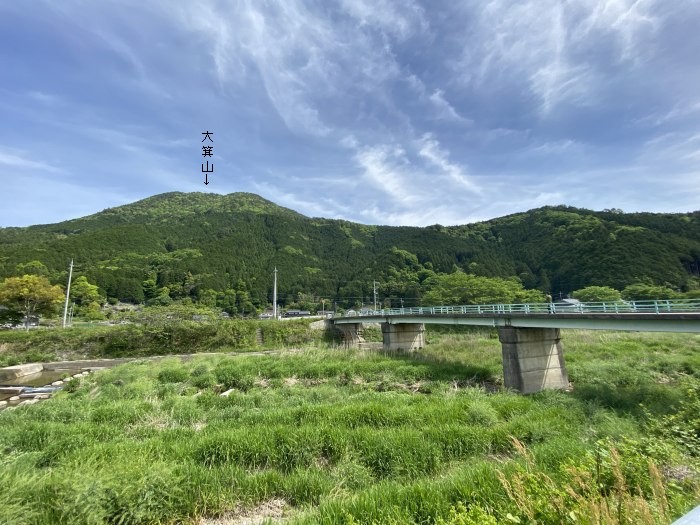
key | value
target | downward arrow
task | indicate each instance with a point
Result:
(206, 179)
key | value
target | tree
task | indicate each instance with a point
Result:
(207, 297)
(84, 293)
(163, 298)
(30, 295)
(150, 288)
(591, 294)
(461, 288)
(647, 292)
(32, 268)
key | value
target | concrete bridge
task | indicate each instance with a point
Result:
(529, 333)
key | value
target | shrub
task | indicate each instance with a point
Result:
(173, 375)
(229, 375)
(201, 377)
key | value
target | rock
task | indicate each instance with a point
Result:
(42, 396)
(14, 398)
(29, 402)
(3, 404)
(57, 383)
(13, 372)
(228, 392)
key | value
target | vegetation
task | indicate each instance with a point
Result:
(30, 295)
(597, 294)
(353, 437)
(156, 338)
(220, 251)
(460, 288)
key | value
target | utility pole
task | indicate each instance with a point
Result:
(274, 297)
(375, 295)
(65, 307)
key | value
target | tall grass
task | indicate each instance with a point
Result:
(173, 337)
(360, 437)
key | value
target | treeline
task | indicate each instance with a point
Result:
(222, 250)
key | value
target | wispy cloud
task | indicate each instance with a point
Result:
(386, 111)
(386, 169)
(18, 159)
(429, 148)
(445, 110)
(556, 54)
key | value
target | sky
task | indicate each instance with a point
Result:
(398, 112)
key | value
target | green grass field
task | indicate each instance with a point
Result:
(337, 436)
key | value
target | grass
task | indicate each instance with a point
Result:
(158, 338)
(365, 437)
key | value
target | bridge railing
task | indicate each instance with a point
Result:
(609, 307)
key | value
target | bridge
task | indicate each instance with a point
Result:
(529, 333)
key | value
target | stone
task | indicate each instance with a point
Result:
(14, 398)
(17, 371)
(228, 392)
(57, 383)
(29, 402)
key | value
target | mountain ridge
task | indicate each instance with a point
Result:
(235, 241)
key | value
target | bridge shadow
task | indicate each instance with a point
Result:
(434, 368)
(654, 398)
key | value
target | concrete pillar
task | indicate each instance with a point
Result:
(532, 359)
(403, 336)
(352, 334)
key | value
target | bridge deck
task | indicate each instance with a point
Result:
(649, 316)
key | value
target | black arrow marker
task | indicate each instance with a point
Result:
(206, 179)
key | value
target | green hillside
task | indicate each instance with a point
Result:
(196, 242)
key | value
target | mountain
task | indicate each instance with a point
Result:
(191, 242)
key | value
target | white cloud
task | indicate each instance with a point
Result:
(401, 18)
(429, 148)
(445, 110)
(386, 168)
(303, 58)
(19, 159)
(550, 44)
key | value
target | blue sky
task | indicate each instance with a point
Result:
(378, 111)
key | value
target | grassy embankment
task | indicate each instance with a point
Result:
(362, 437)
(137, 340)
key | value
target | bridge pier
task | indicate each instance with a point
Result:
(403, 336)
(532, 359)
(351, 334)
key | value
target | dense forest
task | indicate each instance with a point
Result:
(223, 249)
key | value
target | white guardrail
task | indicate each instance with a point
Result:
(613, 307)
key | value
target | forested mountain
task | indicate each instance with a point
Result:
(190, 244)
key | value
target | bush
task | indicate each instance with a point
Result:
(173, 375)
(201, 377)
(591, 294)
(229, 375)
